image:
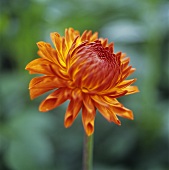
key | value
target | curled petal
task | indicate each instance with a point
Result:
(70, 35)
(110, 101)
(88, 120)
(125, 83)
(70, 59)
(72, 112)
(123, 112)
(108, 86)
(40, 85)
(104, 100)
(88, 103)
(55, 99)
(77, 94)
(35, 92)
(117, 93)
(128, 72)
(42, 66)
(47, 52)
(87, 35)
(125, 73)
(114, 93)
(74, 107)
(84, 36)
(123, 57)
(111, 47)
(94, 37)
(57, 41)
(131, 89)
(125, 60)
(39, 66)
(113, 107)
(108, 113)
(97, 99)
(132, 70)
(105, 42)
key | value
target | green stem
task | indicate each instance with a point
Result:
(88, 153)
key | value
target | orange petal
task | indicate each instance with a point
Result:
(125, 83)
(123, 112)
(47, 52)
(87, 35)
(109, 98)
(55, 99)
(72, 112)
(108, 113)
(125, 72)
(70, 35)
(57, 41)
(97, 99)
(88, 120)
(35, 92)
(113, 107)
(46, 81)
(93, 37)
(60, 46)
(118, 55)
(70, 56)
(41, 66)
(88, 103)
(77, 94)
(131, 89)
(40, 85)
(123, 57)
(111, 47)
(125, 60)
(107, 88)
(83, 36)
(104, 42)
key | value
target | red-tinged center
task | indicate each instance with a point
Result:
(93, 66)
(103, 53)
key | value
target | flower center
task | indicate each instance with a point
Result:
(103, 53)
(93, 66)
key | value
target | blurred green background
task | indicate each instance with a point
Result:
(30, 140)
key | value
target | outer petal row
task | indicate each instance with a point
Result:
(74, 107)
(48, 53)
(40, 85)
(72, 111)
(55, 99)
(88, 120)
(43, 66)
(108, 113)
(110, 107)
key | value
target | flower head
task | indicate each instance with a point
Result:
(85, 70)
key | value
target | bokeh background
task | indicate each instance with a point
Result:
(30, 140)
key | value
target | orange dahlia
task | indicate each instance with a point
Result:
(85, 70)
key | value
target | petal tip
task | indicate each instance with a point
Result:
(89, 129)
(68, 121)
(46, 105)
(43, 109)
(118, 122)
